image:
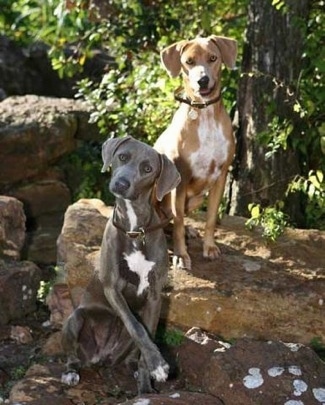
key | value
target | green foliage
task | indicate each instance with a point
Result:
(43, 290)
(18, 372)
(276, 135)
(170, 337)
(313, 188)
(271, 219)
(318, 345)
(135, 96)
(83, 172)
(123, 103)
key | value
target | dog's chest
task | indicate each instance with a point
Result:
(212, 153)
(140, 267)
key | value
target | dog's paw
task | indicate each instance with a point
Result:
(182, 262)
(211, 251)
(71, 378)
(161, 372)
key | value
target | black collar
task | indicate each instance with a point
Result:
(196, 104)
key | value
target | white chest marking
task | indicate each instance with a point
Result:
(131, 215)
(141, 266)
(212, 152)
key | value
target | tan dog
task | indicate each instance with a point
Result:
(200, 138)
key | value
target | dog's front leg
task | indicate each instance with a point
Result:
(181, 258)
(143, 377)
(157, 366)
(150, 318)
(210, 249)
(70, 345)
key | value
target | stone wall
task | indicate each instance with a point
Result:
(35, 133)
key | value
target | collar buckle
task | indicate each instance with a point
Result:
(197, 104)
(140, 234)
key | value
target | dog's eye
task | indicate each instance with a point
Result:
(122, 157)
(147, 168)
(213, 58)
(189, 61)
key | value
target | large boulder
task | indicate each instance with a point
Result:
(79, 242)
(36, 131)
(12, 228)
(35, 134)
(204, 371)
(251, 372)
(255, 289)
(44, 203)
(19, 283)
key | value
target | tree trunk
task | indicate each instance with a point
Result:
(270, 72)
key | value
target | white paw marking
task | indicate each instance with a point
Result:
(141, 266)
(72, 378)
(160, 373)
(293, 402)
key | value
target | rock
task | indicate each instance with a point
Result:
(43, 197)
(210, 371)
(34, 133)
(39, 386)
(264, 291)
(52, 346)
(258, 290)
(21, 334)
(175, 398)
(253, 372)
(79, 242)
(60, 304)
(44, 203)
(19, 283)
(12, 227)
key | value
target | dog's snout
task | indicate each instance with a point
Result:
(203, 82)
(121, 184)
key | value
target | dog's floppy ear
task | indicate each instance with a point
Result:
(168, 178)
(228, 49)
(109, 148)
(171, 58)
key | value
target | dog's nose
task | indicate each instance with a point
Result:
(203, 82)
(121, 184)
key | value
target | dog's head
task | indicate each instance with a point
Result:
(199, 60)
(137, 168)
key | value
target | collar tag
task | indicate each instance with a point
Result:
(193, 114)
